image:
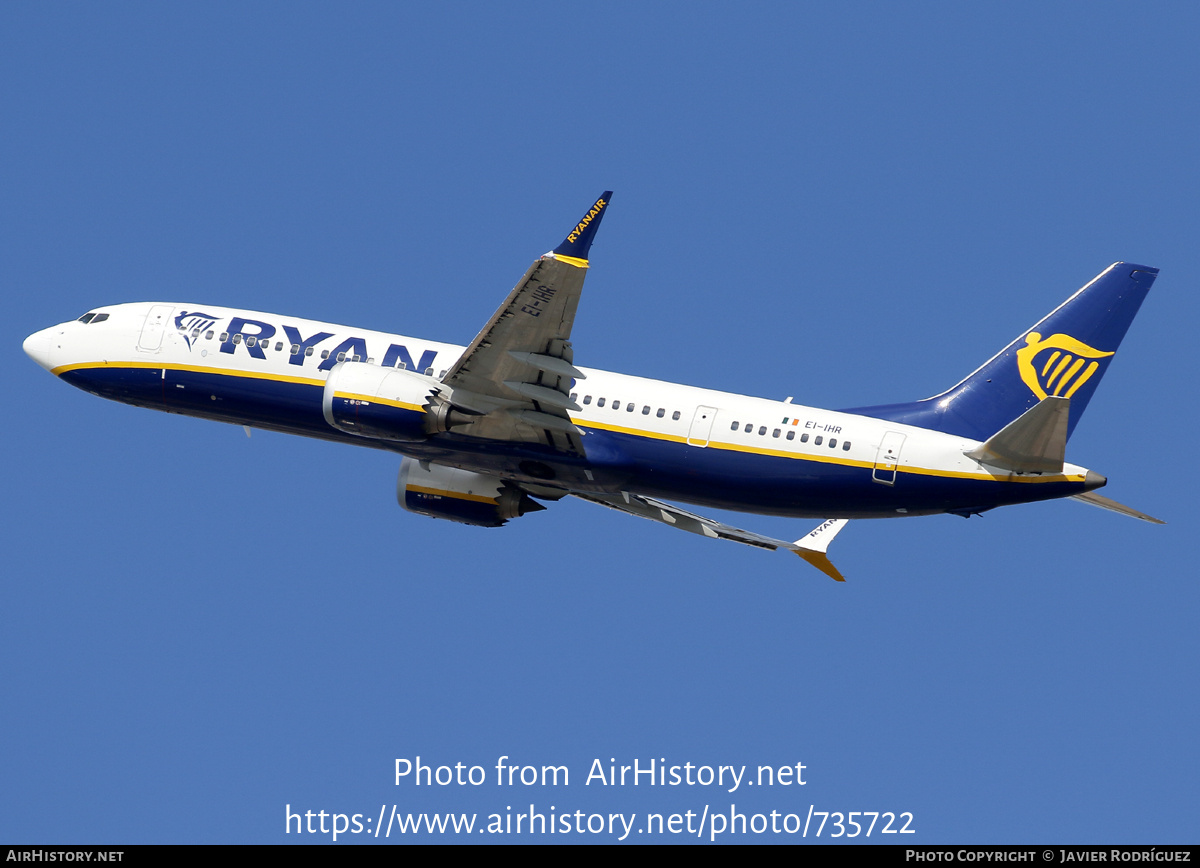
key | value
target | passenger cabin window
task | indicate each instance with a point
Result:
(833, 443)
(629, 407)
(661, 412)
(250, 341)
(775, 433)
(804, 437)
(587, 399)
(762, 429)
(845, 445)
(324, 354)
(296, 349)
(308, 351)
(791, 435)
(733, 427)
(817, 440)
(600, 402)
(675, 415)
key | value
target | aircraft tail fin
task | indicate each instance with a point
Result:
(1064, 355)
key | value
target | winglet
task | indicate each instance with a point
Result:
(813, 547)
(578, 242)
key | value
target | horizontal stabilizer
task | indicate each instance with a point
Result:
(1107, 503)
(1034, 442)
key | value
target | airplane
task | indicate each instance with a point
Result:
(489, 431)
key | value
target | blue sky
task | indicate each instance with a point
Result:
(850, 206)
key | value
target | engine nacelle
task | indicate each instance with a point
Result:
(460, 495)
(382, 403)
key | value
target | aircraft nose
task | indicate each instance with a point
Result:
(37, 347)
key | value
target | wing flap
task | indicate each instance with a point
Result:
(811, 547)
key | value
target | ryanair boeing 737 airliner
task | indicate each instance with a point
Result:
(488, 431)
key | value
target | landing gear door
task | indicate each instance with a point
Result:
(152, 332)
(702, 424)
(887, 458)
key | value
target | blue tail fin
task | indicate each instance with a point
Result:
(1065, 354)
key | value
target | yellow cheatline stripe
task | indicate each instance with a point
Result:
(195, 369)
(990, 477)
(455, 494)
(571, 260)
(370, 399)
(779, 453)
(831, 459)
(253, 375)
(636, 432)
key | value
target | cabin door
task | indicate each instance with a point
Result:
(702, 424)
(887, 458)
(152, 331)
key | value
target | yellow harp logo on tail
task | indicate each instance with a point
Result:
(1058, 365)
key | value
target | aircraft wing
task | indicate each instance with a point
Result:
(812, 547)
(514, 380)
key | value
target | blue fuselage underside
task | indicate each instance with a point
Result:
(713, 477)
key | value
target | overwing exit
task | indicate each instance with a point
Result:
(491, 431)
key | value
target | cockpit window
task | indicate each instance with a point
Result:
(87, 317)
(100, 317)
(92, 316)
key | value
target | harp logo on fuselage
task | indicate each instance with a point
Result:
(191, 323)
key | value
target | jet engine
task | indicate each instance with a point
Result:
(382, 403)
(460, 495)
